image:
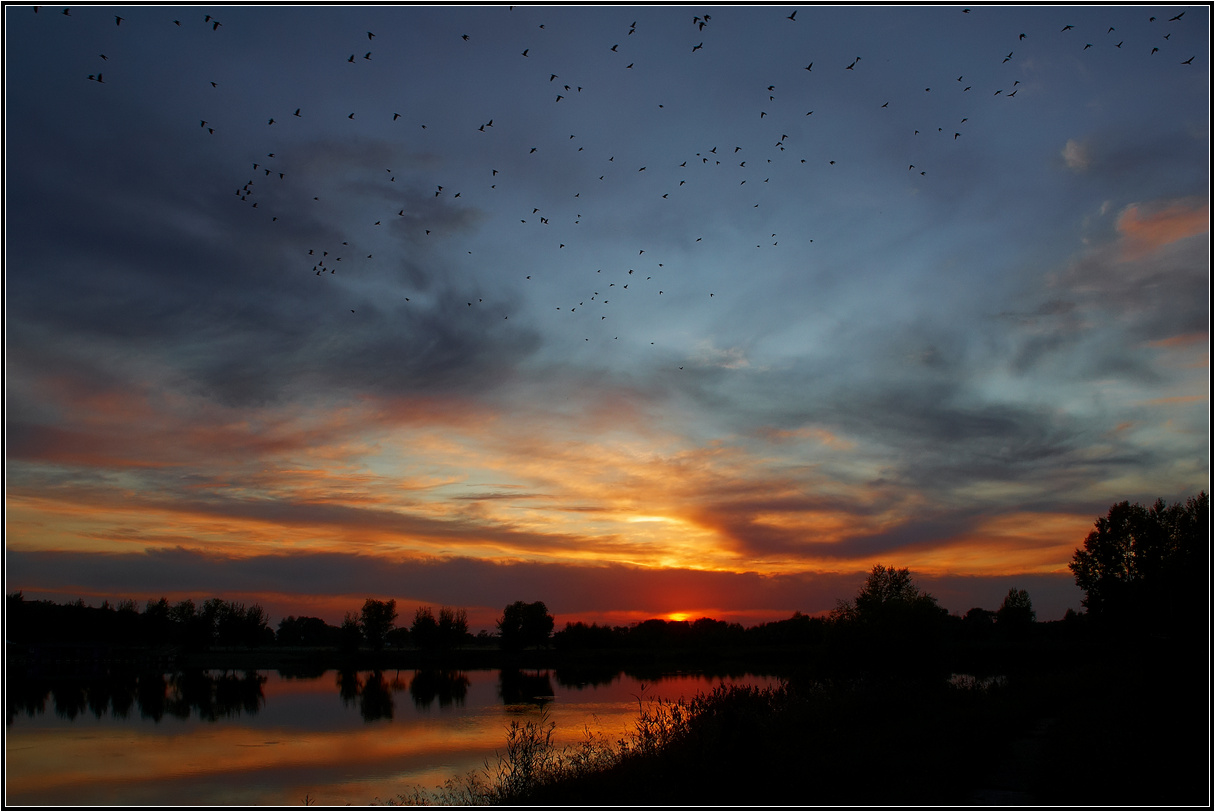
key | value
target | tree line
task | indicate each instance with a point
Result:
(1141, 568)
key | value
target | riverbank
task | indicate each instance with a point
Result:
(1097, 731)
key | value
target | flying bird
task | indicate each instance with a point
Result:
(1171, 19)
(791, 16)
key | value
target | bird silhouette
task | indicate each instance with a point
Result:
(1178, 17)
(791, 16)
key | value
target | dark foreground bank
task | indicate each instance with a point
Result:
(1107, 725)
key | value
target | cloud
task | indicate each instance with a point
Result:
(330, 584)
(1076, 155)
(1147, 228)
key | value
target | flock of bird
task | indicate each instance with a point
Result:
(770, 158)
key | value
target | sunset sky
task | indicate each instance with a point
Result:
(633, 310)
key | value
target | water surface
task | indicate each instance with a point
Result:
(264, 738)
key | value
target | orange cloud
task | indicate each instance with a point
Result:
(1144, 229)
(1025, 542)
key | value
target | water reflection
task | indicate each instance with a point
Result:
(582, 675)
(525, 687)
(446, 686)
(267, 739)
(370, 691)
(203, 694)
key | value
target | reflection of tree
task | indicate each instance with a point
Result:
(371, 692)
(69, 697)
(305, 670)
(213, 698)
(524, 687)
(375, 700)
(180, 695)
(576, 676)
(150, 694)
(24, 695)
(123, 689)
(444, 685)
(348, 685)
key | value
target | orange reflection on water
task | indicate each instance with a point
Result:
(329, 754)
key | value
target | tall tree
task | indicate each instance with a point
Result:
(425, 629)
(888, 593)
(525, 624)
(377, 620)
(351, 634)
(1147, 565)
(1016, 613)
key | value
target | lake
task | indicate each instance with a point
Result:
(253, 738)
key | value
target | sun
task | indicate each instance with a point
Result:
(678, 616)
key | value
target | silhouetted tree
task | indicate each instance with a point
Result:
(1147, 565)
(579, 635)
(378, 619)
(888, 593)
(306, 631)
(1016, 613)
(525, 624)
(424, 631)
(453, 627)
(158, 627)
(977, 624)
(890, 623)
(238, 625)
(351, 633)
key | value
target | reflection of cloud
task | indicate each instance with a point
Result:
(1075, 155)
(1145, 228)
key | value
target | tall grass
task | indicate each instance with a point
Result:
(533, 766)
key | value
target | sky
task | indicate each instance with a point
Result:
(640, 311)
